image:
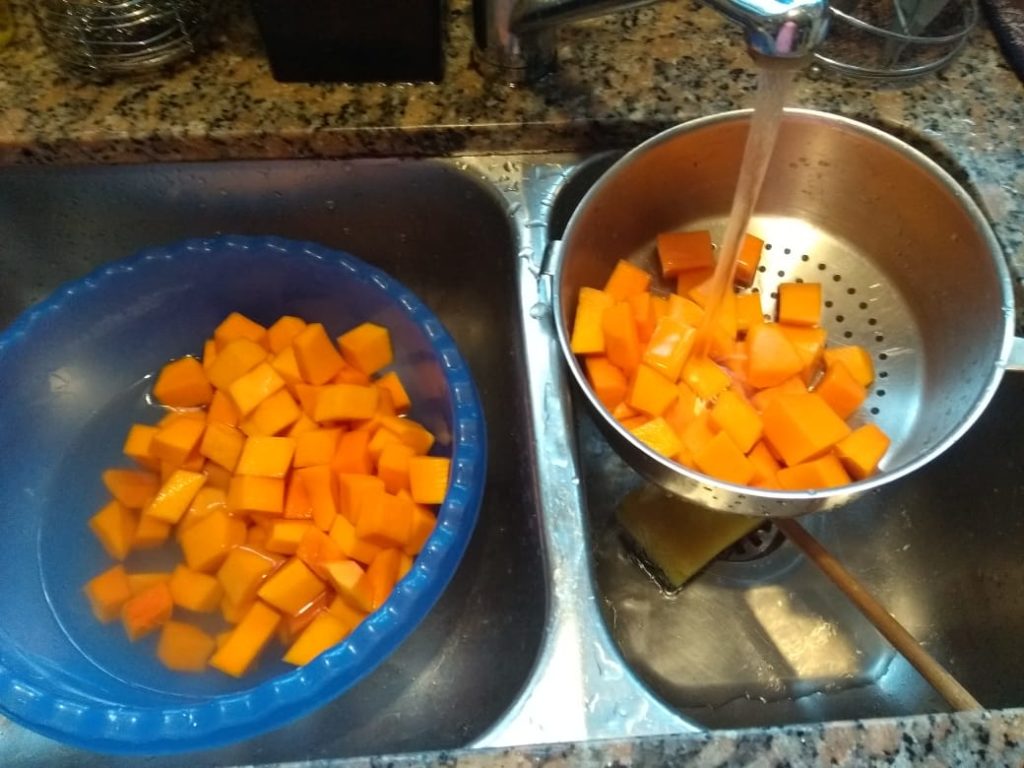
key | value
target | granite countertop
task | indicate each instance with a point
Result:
(623, 78)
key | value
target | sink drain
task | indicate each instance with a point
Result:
(760, 542)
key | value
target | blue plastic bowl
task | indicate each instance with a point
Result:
(75, 372)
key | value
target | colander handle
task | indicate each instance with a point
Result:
(1016, 361)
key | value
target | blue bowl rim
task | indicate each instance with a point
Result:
(220, 720)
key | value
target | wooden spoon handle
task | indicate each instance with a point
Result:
(937, 676)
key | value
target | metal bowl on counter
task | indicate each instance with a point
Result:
(77, 371)
(910, 270)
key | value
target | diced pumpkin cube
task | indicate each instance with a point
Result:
(705, 377)
(209, 354)
(621, 339)
(322, 488)
(235, 360)
(771, 356)
(222, 444)
(393, 466)
(843, 393)
(253, 387)
(243, 572)
(659, 436)
(382, 575)
(138, 445)
(800, 303)
(823, 472)
(685, 251)
(749, 311)
(222, 409)
(302, 425)
(625, 280)
(410, 432)
(284, 536)
(108, 592)
(283, 331)
(736, 417)
(385, 521)
(150, 532)
(857, 362)
(292, 587)
(651, 393)
(722, 459)
(114, 526)
(316, 447)
(175, 496)
(587, 328)
(809, 343)
(366, 347)
(249, 637)
(178, 439)
(683, 409)
(346, 402)
(748, 259)
(287, 366)
(343, 532)
(238, 326)
(352, 454)
(266, 456)
(195, 591)
(140, 582)
(606, 379)
(423, 522)
(862, 450)
(206, 543)
(342, 610)
(357, 491)
(132, 487)
(698, 433)
(802, 427)
(256, 493)
(391, 382)
(428, 478)
(316, 354)
(297, 504)
(669, 347)
(316, 548)
(765, 466)
(685, 310)
(184, 647)
(793, 386)
(323, 632)
(147, 611)
(643, 315)
(183, 383)
(346, 576)
(275, 414)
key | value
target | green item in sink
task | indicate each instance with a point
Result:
(676, 537)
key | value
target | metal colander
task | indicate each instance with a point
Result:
(910, 270)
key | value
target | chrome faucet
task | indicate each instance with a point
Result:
(515, 39)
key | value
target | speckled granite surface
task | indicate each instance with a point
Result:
(623, 78)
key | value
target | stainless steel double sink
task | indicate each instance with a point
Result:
(550, 631)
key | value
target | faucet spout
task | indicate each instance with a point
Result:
(515, 39)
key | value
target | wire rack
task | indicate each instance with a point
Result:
(122, 36)
(895, 39)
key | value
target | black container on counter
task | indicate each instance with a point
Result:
(352, 40)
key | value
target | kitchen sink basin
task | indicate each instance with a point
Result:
(550, 630)
(445, 235)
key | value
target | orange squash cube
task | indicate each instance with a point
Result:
(316, 446)
(800, 303)
(316, 354)
(685, 251)
(802, 427)
(862, 450)
(238, 326)
(391, 382)
(147, 611)
(245, 642)
(222, 409)
(324, 632)
(698, 433)
(659, 436)
(346, 577)
(297, 505)
(138, 445)
(114, 526)
(382, 575)
(284, 536)
(621, 338)
(184, 647)
(175, 496)
(222, 444)
(108, 592)
(292, 587)
(765, 466)
(253, 387)
(131, 487)
(343, 532)
(273, 415)
(183, 383)
(651, 392)
(367, 347)
(721, 458)
(266, 456)
(669, 347)
(178, 439)
(206, 543)
(410, 432)
(423, 522)
(194, 591)
(345, 402)
(809, 343)
(385, 520)
(317, 548)
(749, 311)
(322, 489)
(150, 532)
(235, 360)
(357, 491)
(736, 417)
(626, 280)
(287, 366)
(393, 466)
(208, 499)
(843, 393)
(606, 379)
(256, 493)
(823, 472)
(857, 362)
(428, 478)
(771, 356)
(342, 610)
(587, 329)
(283, 331)
(243, 572)
(748, 259)
(705, 377)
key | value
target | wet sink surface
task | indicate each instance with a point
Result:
(446, 236)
